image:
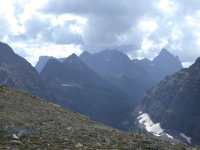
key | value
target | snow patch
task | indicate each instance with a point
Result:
(169, 136)
(155, 129)
(188, 139)
(150, 126)
(67, 85)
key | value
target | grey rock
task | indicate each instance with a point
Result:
(14, 136)
(69, 128)
(15, 142)
(107, 140)
(21, 131)
(102, 128)
(79, 145)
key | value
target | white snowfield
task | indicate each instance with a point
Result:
(67, 85)
(155, 129)
(188, 139)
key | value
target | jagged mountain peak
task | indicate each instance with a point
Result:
(113, 53)
(164, 54)
(42, 62)
(72, 59)
(167, 61)
(53, 61)
(164, 51)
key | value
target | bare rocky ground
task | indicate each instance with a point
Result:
(27, 122)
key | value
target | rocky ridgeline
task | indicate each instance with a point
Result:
(27, 122)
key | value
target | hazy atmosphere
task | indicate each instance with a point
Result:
(138, 28)
(100, 74)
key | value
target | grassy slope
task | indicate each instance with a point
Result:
(62, 129)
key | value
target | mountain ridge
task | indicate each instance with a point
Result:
(75, 86)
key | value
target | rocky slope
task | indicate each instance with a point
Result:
(16, 72)
(174, 103)
(75, 86)
(27, 122)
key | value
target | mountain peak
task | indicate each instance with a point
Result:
(113, 51)
(165, 52)
(114, 54)
(168, 61)
(166, 55)
(5, 49)
(42, 62)
(72, 59)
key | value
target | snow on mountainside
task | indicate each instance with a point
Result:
(145, 122)
(175, 103)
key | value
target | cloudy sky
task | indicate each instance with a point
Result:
(139, 28)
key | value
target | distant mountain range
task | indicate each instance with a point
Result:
(174, 103)
(133, 77)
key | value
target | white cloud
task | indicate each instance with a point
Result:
(138, 28)
(168, 7)
(148, 25)
(187, 64)
(146, 44)
(33, 53)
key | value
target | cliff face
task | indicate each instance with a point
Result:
(175, 103)
(27, 122)
(16, 72)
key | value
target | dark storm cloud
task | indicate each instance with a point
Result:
(107, 20)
